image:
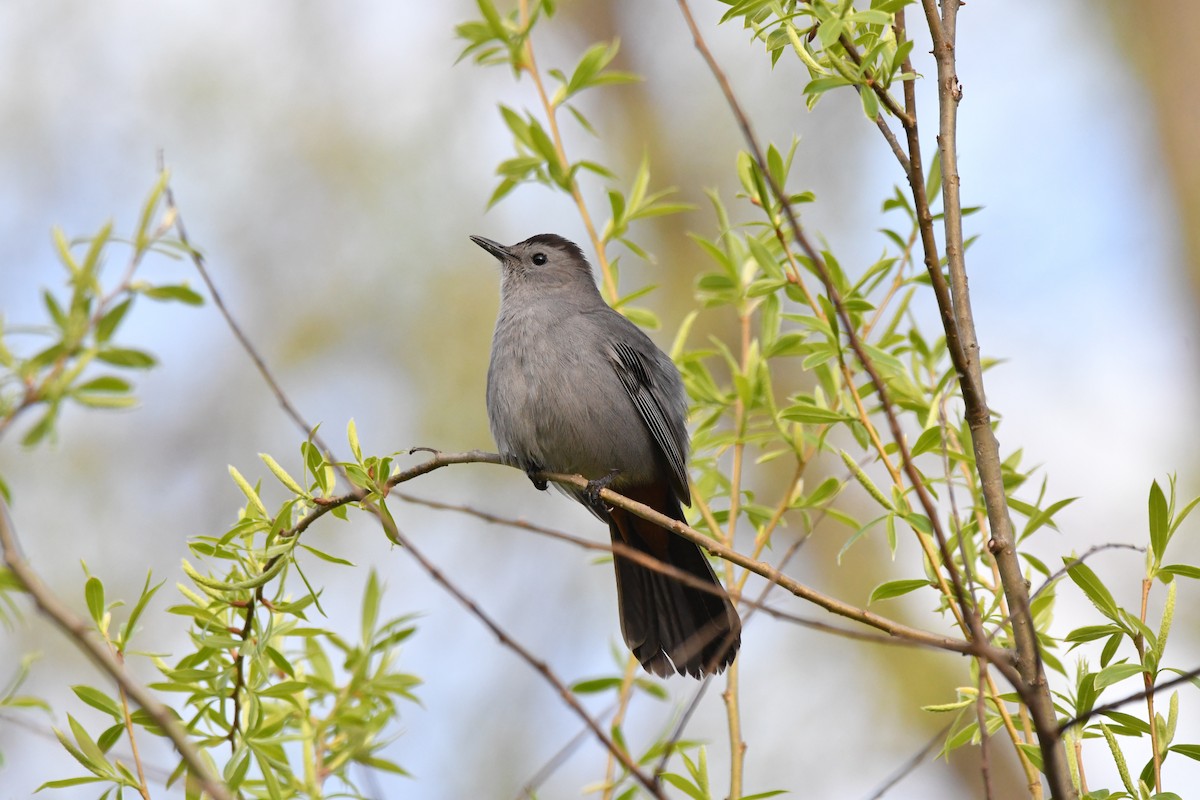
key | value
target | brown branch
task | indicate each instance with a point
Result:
(720, 550)
(560, 152)
(80, 634)
(1002, 544)
(875, 86)
(651, 785)
(358, 495)
(650, 562)
(847, 325)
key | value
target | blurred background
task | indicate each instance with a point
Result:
(331, 160)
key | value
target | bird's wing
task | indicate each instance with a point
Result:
(654, 407)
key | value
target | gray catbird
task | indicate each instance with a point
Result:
(575, 387)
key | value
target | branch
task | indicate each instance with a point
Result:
(650, 562)
(560, 152)
(906, 769)
(1133, 698)
(81, 636)
(847, 325)
(720, 550)
(542, 668)
(1002, 544)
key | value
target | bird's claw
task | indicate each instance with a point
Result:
(592, 491)
(538, 483)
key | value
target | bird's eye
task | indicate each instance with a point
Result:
(539, 258)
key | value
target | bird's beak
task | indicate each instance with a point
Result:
(502, 253)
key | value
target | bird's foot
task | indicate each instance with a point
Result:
(592, 492)
(538, 483)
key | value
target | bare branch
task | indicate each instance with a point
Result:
(564, 691)
(907, 768)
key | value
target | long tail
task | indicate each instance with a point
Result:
(670, 625)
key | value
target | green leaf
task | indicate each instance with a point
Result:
(1135, 725)
(130, 625)
(595, 685)
(325, 556)
(105, 400)
(248, 490)
(804, 412)
(1182, 570)
(104, 383)
(352, 437)
(933, 179)
(1189, 750)
(1089, 633)
(126, 357)
(1159, 522)
(68, 782)
(1115, 673)
(896, 588)
(90, 750)
(370, 606)
(1093, 587)
(684, 785)
(280, 473)
(40, 429)
(928, 440)
(180, 293)
(99, 700)
(93, 591)
(111, 320)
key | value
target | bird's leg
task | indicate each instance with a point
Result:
(594, 487)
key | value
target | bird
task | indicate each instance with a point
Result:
(574, 387)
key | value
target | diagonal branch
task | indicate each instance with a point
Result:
(651, 785)
(771, 573)
(1185, 677)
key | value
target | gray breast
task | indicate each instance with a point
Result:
(555, 401)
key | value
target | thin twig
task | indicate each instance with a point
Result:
(530, 66)
(289, 409)
(127, 718)
(1091, 551)
(906, 769)
(875, 86)
(839, 305)
(564, 691)
(618, 719)
(81, 636)
(1133, 698)
(684, 719)
(985, 769)
(529, 788)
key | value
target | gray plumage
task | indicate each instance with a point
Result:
(575, 387)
